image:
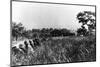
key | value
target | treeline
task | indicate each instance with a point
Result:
(86, 18)
(50, 32)
(18, 30)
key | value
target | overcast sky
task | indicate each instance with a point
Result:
(42, 15)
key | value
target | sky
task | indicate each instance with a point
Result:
(42, 15)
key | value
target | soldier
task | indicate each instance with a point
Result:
(31, 44)
(26, 46)
(36, 42)
(15, 50)
(22, 48)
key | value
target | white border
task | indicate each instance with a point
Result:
(5, 33)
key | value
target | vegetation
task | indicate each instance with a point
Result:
(18, 30)
(61, 50)
(82, 31)
(56, 45)
(87, 18)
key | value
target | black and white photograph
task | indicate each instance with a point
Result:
(44, 33)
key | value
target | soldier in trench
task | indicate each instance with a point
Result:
(31, 44)
(26, 46)
(36, 42)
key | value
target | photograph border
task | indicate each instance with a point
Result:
(49, 3)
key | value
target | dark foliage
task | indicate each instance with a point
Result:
(87, 18)
(82, 31)
(18, 30)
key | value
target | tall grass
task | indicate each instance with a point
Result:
(71, 49)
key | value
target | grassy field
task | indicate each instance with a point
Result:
(59, 50)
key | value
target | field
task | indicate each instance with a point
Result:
(59, 50)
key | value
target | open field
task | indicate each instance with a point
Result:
(59, 50)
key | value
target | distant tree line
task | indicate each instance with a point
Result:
(85, 18)
(18, 30)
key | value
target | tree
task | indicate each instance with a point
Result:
(55, 33)
(87, 18)
(17, 30)
(82, 31)
(66, 32)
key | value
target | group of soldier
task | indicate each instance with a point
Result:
(23, 48)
